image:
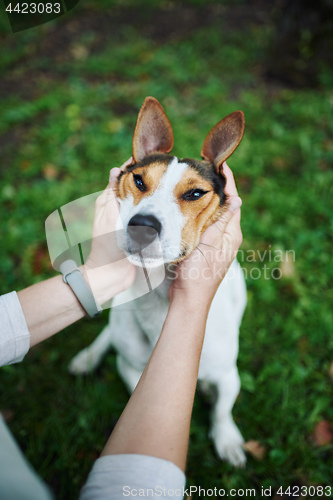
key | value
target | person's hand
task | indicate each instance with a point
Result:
(107, 270)
(199, 276)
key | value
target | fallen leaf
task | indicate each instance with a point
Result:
(73, 26)
(7, 414)
(287, 266)
(79, 52)
(115, 125)
(323, 165)
(303, 346)
(25, 165)
(328, 145)
(280, 163)
(41, 259)
(255, 449)
(323, 433)
(245, 183)
(50, 172)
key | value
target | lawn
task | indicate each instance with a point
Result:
(70, 91)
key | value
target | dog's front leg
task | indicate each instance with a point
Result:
(224, 432)
(89, 358)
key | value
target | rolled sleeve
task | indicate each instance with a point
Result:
(14, 333)
(118, 477)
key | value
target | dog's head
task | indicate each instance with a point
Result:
(166, 203)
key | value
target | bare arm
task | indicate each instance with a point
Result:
(156, 420)
(51, 305)
(157, 417)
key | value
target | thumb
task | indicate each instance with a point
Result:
(108, 199)
(111, 188)
(112, 203)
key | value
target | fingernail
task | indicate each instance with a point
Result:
(235, 204)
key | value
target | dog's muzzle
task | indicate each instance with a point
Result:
(142, 231)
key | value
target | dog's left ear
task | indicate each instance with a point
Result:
(153, 131)
(223, 139)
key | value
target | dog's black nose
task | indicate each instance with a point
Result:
(143, 229)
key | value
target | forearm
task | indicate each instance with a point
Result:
(156, 420)
(49, 307)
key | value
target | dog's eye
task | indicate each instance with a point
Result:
(139, 182)
(193, 194)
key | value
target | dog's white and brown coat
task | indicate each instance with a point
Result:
(184, 195)
(178, 199)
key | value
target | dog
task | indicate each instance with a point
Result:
(176, 199)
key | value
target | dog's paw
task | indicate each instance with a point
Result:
(228, 442)
(84, 362)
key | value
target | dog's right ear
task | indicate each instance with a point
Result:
(153, 131)
(223, 139)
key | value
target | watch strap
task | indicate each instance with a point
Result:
(72, 275)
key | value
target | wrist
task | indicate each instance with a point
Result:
(187, 317)
(106, 281)
(98, 282)
(192, 301)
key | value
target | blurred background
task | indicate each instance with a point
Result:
(70, 91)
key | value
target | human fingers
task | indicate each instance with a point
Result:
(109, 192)
(232, 236)
(230, 187)
(112, 203)
(233, 229)
(107, 205)
(128, 162)
(217, 230)
(113, 177)
(111, 188)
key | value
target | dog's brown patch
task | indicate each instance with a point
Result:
(153, 140)
(151, 176)
(198, 214)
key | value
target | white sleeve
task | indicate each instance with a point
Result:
(14, 333)
(18, 481)
(119, 476)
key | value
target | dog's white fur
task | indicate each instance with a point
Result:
(135, 326)
(163, 206)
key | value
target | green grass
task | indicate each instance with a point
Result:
(69, 101)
